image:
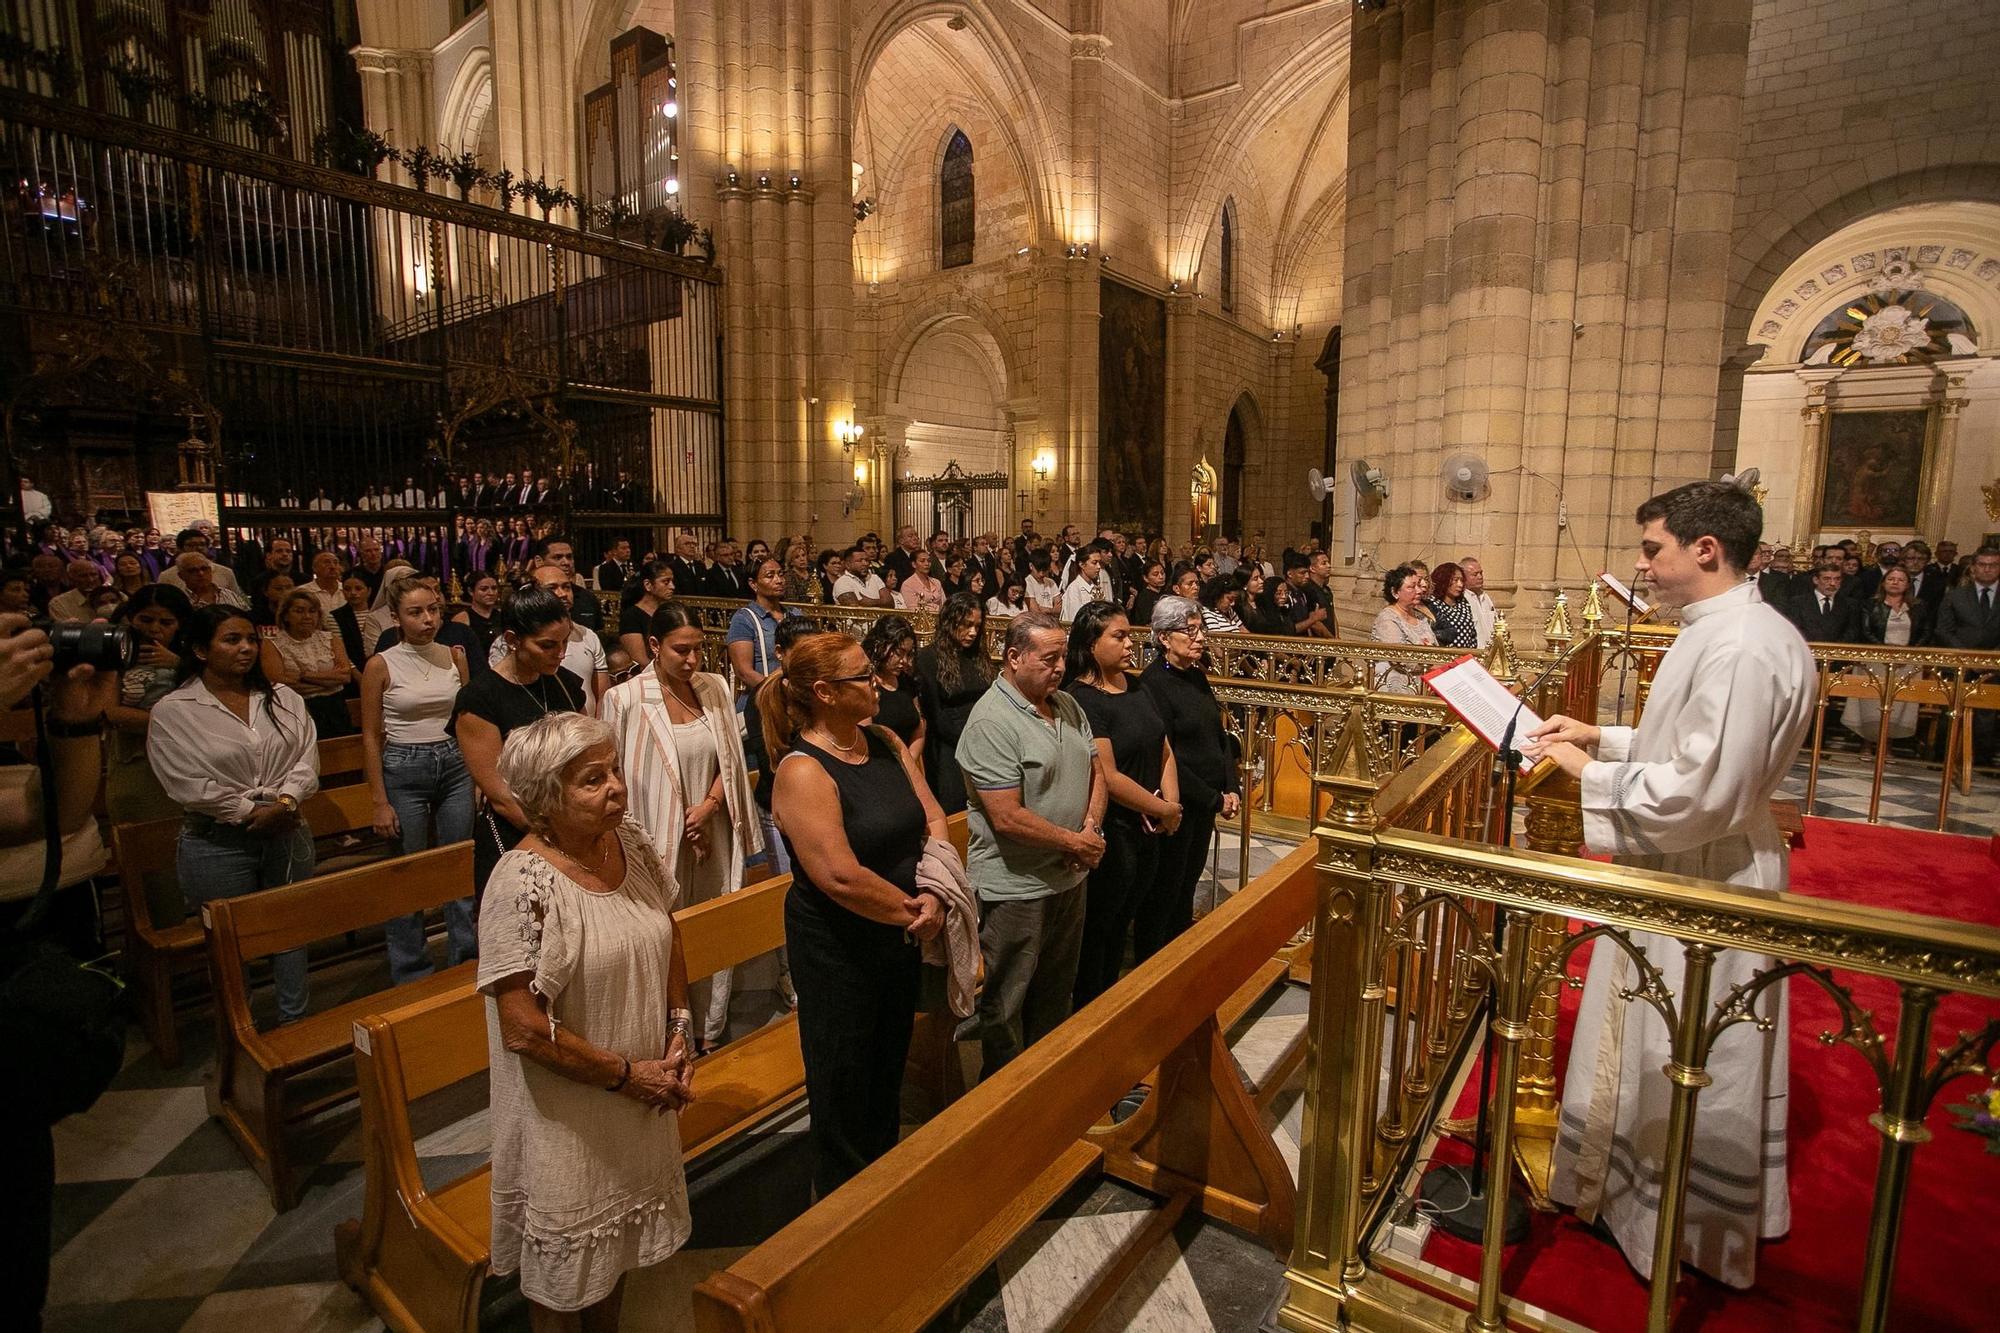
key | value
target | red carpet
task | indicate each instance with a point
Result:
(1811, 1280)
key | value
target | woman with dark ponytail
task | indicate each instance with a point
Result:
(854, 813)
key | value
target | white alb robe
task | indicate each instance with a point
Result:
(1688, 792)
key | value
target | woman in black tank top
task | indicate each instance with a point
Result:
(854, 816)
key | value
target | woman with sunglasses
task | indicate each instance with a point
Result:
(1204, 762)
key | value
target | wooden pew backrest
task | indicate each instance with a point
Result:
(295, 915)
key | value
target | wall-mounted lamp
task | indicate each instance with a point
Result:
(860, 472)
(794, 178)
(1174, 286)
(734, 178)
(763, 180)
(1077, 251)
(1044, 467)
(850, 433)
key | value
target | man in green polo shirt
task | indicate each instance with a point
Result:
(1035, 810)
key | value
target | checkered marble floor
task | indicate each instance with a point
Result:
(159, 1224)
(1909, 790)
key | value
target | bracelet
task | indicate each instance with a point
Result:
(61, 730)
(623, 1074)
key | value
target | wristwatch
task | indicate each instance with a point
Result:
(290, 802)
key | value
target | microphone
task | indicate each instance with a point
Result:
(1507, 737)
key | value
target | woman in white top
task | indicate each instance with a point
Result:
(1402, 622)
(1009, 601)
(237, 754)
(682, 757)
(307, 655)
(414, 769)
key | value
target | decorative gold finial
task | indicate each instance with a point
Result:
(1500, 657)
(1593, 607)
(1992, 494)
(1558, 630)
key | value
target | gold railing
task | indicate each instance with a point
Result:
(1284, 700)
(1403, 952)
(1947, 685)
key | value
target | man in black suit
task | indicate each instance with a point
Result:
(690, 575)
(1887, 556)
(1945, 565)
(616, 569)
(1822, 614)
(465, 494)
(1777, 581)
(903, 559)
(1926, 588)
(1969, 617)
(1028, 540)
(726, 577)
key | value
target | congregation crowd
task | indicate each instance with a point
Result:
(607, 779)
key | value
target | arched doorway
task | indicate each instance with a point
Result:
(1233, 451)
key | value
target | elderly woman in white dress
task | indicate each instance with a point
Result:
(682, 755)
(587, 1033)
(1402, 621)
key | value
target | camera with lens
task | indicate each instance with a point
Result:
(92, 643)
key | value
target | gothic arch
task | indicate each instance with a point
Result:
(1324, 57)
(969, 318)
(467, 118)
(1028, 136)
(956, 173)
(1782, 237)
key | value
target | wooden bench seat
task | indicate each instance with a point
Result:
(418, 1255)
(254, 1069)
(163, 939)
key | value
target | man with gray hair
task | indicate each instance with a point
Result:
(1035, 810)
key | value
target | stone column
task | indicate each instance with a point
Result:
(1073, 497)
(1539, 204)
(1540, 198)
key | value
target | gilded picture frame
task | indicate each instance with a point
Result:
(1875, 469)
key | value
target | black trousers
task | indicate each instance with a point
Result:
(857, 1005)
(1167, 908)
(1130, 866)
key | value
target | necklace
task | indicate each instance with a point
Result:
(541, 698)
(673, 696)
(596, 867)
(844, 749)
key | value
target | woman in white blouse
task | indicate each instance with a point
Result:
(682, 756)
(1401, 621)
(237, 754)
(415, 771)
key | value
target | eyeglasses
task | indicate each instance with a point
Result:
(850, 680)
(1197, 632)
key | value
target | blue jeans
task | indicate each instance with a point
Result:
(774, 846)
(225, 861)
(426, 782)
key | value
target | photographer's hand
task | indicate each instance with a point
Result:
(83, 695)
(26, 658)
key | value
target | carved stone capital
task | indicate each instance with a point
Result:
(1089, 46)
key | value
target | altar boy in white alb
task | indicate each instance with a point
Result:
(1688, 791)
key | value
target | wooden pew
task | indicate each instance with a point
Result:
(951, 1197)
(162, 938)
(254, 1069)
(418, 1255)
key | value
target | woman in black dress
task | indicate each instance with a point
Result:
(952, 673)
(647, 591)
(891, 646)
(526, 685)
(1145, 807)
(855, 814)
(1204, 760)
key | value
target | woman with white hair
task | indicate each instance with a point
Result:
(587, 1032)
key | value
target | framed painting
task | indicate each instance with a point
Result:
(1875, 468)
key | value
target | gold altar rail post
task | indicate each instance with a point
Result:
(1383, 876)
(1950, 684)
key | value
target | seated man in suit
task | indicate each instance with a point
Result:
(1969, 617)
(1822, 614)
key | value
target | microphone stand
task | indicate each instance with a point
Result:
(1625, 652)
(1466, 1219)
